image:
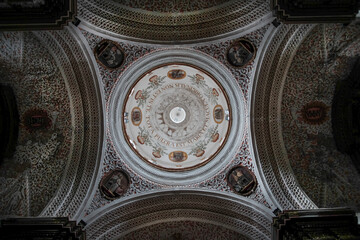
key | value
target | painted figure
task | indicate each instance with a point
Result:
(109, 54)
(242, 181)
(241, 53)
(114, 184)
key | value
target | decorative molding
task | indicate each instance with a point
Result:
(325, 223)
(141, 25)
(232, 212)
(266, 121)
(87, 118)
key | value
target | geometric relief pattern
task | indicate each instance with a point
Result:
(132, 52)
(190, 205)
(171, 6)
(184, 230)
(219, 52)
(87, 121)
(138, 183)
(327, 176)
(266, 126)
(168, 26)
(31, 177)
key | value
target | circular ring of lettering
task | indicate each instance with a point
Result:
(176, 117)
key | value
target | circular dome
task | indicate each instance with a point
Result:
(170, 118)
(176, 117)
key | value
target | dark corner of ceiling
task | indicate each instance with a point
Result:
(345, 115)
(9, 122)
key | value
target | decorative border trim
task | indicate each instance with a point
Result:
(237, 213)
(141, 25)
(87, 116)
(268, 142)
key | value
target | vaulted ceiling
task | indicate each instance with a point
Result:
(281, 119)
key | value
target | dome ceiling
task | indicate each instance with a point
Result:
(324, 58)
(177, 117)
(54, 107)
(221, 122)
(45, 132)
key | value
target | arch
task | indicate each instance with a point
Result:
(87, 122)
(233, 212)
(271, 155)
(136, 24)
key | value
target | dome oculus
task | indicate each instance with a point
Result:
(176, 117)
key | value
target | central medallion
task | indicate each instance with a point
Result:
(176, 117)
(177, 114)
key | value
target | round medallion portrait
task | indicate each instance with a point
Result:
(176, 117)
(114, 184)
(241, 180)
(109, 54)
(241, 53)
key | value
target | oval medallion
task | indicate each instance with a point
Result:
(241, 180)
(218, 114)
(315, 113)
(114, 184)
(36, 119)
(241, 53)
(178, 156)
(136, 116)
(138, 95)
(176, 74)
(109, 54)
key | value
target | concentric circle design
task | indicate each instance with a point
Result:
(180, 109)
(176, 116)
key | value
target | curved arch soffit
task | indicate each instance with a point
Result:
(223, 20)
(185, 56)
(236, 213)
(87, 120)
(271, 156)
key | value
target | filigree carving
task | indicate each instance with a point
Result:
(273, 160)
(151, 26)
(240, 215)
